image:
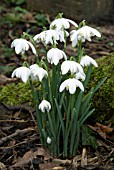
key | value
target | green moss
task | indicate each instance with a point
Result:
(103, 100)
(16, 94)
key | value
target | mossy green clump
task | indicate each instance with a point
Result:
(103, 99)
(16, 94)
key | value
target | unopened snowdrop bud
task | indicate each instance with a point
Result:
(22, 45)
(22, 72)
(45, 106)
(86, 61)
(54, 55)
(48, 140)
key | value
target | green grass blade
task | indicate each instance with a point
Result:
(100, 84)
(87, 115)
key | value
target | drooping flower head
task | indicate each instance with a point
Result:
(23, 73)
(54, 55)
(63, 35)
(71, 66)
(86, 61)
(62, 23)
(80, 76)
(82, 34)
(45, 106)
(71, 84)
(47, 37)
(38, 72)
(22, 45)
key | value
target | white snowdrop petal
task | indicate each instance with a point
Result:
(32, 47)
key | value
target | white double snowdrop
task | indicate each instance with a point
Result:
(22, 45)
(84, 33)
(38, 72)
(22, 72)
(86, 61)
(62, 35)
(47, 37)
(71, 84)
(45, 106)
(54, 55)
(71, 66)
(80, 76)
(62, 23)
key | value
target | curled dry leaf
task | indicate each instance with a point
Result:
(103, 130)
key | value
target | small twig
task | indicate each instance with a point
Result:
(17, 133)
(18, 121)
(11, 147)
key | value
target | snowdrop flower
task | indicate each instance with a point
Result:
(71, 84)
(22, 72)
(82, 34)
(71, 66)
(86, 61)
(62, 34)
(22, 45)
(48, 140)
(80, 76)
(37, 71)
(54, 55)
(62, 23)
(48, 36)
(45, 106)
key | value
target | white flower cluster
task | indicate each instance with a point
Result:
(34, 72)
(57, 32)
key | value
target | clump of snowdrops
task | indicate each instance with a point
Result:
(61, 103)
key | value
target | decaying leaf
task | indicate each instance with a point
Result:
(103, 130)
(2, 166)
(29, 156)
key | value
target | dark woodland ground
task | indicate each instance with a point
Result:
(19, 138)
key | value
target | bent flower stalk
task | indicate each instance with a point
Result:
(59, 83)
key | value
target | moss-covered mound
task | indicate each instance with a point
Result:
(16, 94)
(103, 100)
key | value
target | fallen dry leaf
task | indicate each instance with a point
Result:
(103, 130)
(5, 80)
(2, 166)
(29, 156)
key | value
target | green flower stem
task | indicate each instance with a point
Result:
(77, 139)
(32, 40)
(39, 120)
(70, 108)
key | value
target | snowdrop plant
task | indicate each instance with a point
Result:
(62, 103)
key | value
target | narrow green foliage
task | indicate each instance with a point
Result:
(62, 102)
